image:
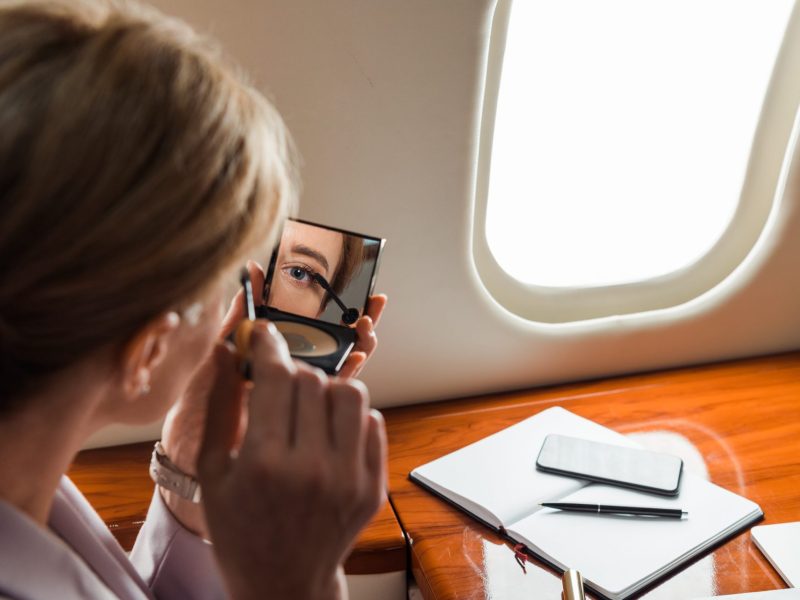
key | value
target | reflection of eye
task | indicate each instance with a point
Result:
(299, 275)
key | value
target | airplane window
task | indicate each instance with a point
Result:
(622, 134)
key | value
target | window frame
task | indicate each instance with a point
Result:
(551, 305)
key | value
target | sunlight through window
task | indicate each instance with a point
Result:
(623, 132)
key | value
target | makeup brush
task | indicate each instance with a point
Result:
(243, 331)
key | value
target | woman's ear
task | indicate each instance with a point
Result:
(145, 351)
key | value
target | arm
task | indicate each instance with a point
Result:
(174, 562)
(170, 552)
(186, 420)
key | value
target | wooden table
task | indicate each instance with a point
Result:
(743, 417)
(116, 482)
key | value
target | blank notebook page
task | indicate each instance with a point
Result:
(499, 472)
(792, 594)
(615, 552)
(780, 543)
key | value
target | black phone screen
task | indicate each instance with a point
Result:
(643, 470)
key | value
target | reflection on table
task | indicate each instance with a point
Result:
(739, 423)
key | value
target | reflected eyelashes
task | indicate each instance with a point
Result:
(303, 276)
(316, 287)
(299, 275)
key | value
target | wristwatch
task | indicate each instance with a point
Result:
(168, 476)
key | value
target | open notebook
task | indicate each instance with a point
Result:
(780, 543)
(790, 594)
(496, 481)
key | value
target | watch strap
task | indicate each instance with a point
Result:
(168, 476)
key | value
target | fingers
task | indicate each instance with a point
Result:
(312, 432)
(236, 311)
(366, 340)
(366, 343)
(349, 404)
(271, 418)
(295, 405)
(257, 279)
(352, 366)
(375, 306)
(234, 315)
(224, 413)
(375, 454)
(296, 409)
(326, 487)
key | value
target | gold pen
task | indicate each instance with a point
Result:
(573, 585)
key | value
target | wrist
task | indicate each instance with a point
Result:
(179, 491)
(189, 514)
(180, 441)
(165, 473)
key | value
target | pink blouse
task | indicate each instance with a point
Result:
(77, 557)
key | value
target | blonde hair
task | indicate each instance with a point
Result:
(135, 167)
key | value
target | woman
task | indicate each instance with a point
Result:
(136, 174)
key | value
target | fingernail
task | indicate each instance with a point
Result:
(376, 414)
(271, 328)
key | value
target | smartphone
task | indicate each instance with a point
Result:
(642, 470)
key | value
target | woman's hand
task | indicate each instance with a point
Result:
(183, 426)
(185, 421)
(366, 340)
(285, 505)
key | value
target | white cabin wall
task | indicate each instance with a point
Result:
(384, 100)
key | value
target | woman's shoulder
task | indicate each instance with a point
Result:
(36, 563)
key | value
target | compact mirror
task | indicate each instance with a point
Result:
(317, 286)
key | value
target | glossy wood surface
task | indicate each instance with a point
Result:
(743, 418)
(116, 482)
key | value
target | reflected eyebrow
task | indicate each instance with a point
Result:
(311, 253)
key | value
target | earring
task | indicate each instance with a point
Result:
(193, 313)
(144, 384)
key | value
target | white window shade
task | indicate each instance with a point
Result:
(616, 142)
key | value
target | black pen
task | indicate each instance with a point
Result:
(607, 509)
